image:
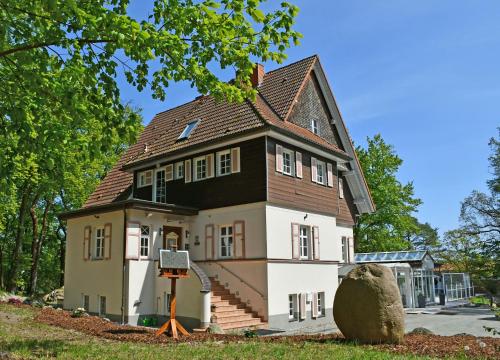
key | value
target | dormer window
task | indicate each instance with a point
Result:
(314, 126)
(145, 178)
(188, 129)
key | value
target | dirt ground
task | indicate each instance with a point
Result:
(430, 345)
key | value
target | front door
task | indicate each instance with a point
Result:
(172, 237)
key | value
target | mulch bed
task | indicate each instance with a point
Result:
(417, 344)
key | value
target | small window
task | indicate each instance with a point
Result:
(314, 126)
(145, 178)
(200, 168)
(341, 188)
(320, 177)
(99, 243)
(179, 170)
(161, 187)
(288, 162)
(226, 241)
(345, 250)
(86, 303)
(145, 236)
(304, 242)
(224, 163)
(166, 299)
(102, 306)
(321, 304)
(292, 307)
(188, 130)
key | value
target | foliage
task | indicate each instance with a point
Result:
(392, 225)
(62, 122)
(475, 245)
(425, 237)
(78, 312)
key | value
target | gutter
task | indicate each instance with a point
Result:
(124, 264)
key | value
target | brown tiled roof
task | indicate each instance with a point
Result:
(218, 120)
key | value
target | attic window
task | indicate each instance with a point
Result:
(188, 129)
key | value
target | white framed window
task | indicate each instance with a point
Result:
(102, 305)
(226, 241)
(293, 313)
(304, 243)
(179, 170)
(166, 302)
(288, 162)
(145, 178)
(160, 186)
(99, 243)
(345, 249)
(200, 168)
(314, 126)
(321, 172)
(321, 304)
(224, 162)
(341, 188)
(145, 240)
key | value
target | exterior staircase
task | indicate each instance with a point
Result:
(229, 312)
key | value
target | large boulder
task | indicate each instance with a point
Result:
(367, 306)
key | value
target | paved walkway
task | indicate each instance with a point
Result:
(440, 320)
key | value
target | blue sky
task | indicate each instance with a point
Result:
(425, 74)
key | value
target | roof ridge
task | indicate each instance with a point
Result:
(294, 63)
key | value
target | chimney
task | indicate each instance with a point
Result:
(257, 75)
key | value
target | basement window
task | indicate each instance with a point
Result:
(188, 129)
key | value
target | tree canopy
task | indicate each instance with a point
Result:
(62, 120)
(392, 225)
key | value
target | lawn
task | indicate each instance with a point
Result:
(22, 337)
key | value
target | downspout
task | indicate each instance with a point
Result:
(124, 265)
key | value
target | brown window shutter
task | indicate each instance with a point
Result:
(132, 249)
(239, 238)
(314, 169)
(187, 171)
(314, 306)
(329, 174)
(351, 249)
(87, 232)
(302, 306)
(107, 241)
(341, 188)
(316, 242)
(295, 241)
(279, 158)
(235, 160)
(298, 164)
(169, 172)
(209, 241)
(210, 165)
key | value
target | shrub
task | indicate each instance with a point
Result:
(14, 300)
(79, 312)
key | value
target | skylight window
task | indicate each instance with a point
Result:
(188, 129)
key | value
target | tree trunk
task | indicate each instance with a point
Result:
(37, 248)
(1, 268)
(62, 253)
(16, 252)
(34, 242)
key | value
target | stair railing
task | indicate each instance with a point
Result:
(242, 280)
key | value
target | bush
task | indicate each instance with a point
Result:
(250, 333)
(14, 300)
(79, 312)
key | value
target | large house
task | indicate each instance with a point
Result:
(263, 194)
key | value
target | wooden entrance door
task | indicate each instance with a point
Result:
(172, 236)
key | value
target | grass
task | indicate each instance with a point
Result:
(480, 300)
(23, 338)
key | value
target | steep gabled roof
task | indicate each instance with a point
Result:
(218, 120)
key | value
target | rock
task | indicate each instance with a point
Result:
(56, 296)
(367, 306)
(215, 329)
(421, 331)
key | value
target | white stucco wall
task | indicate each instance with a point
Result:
(94, 277)
(255, 230)
(279, 241)
(284, 279)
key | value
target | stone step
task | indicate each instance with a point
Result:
(221, 318)
(227, 311)
(226, 302)
(215, 298)
(242, 324)
(220, 292)
(223, 308)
